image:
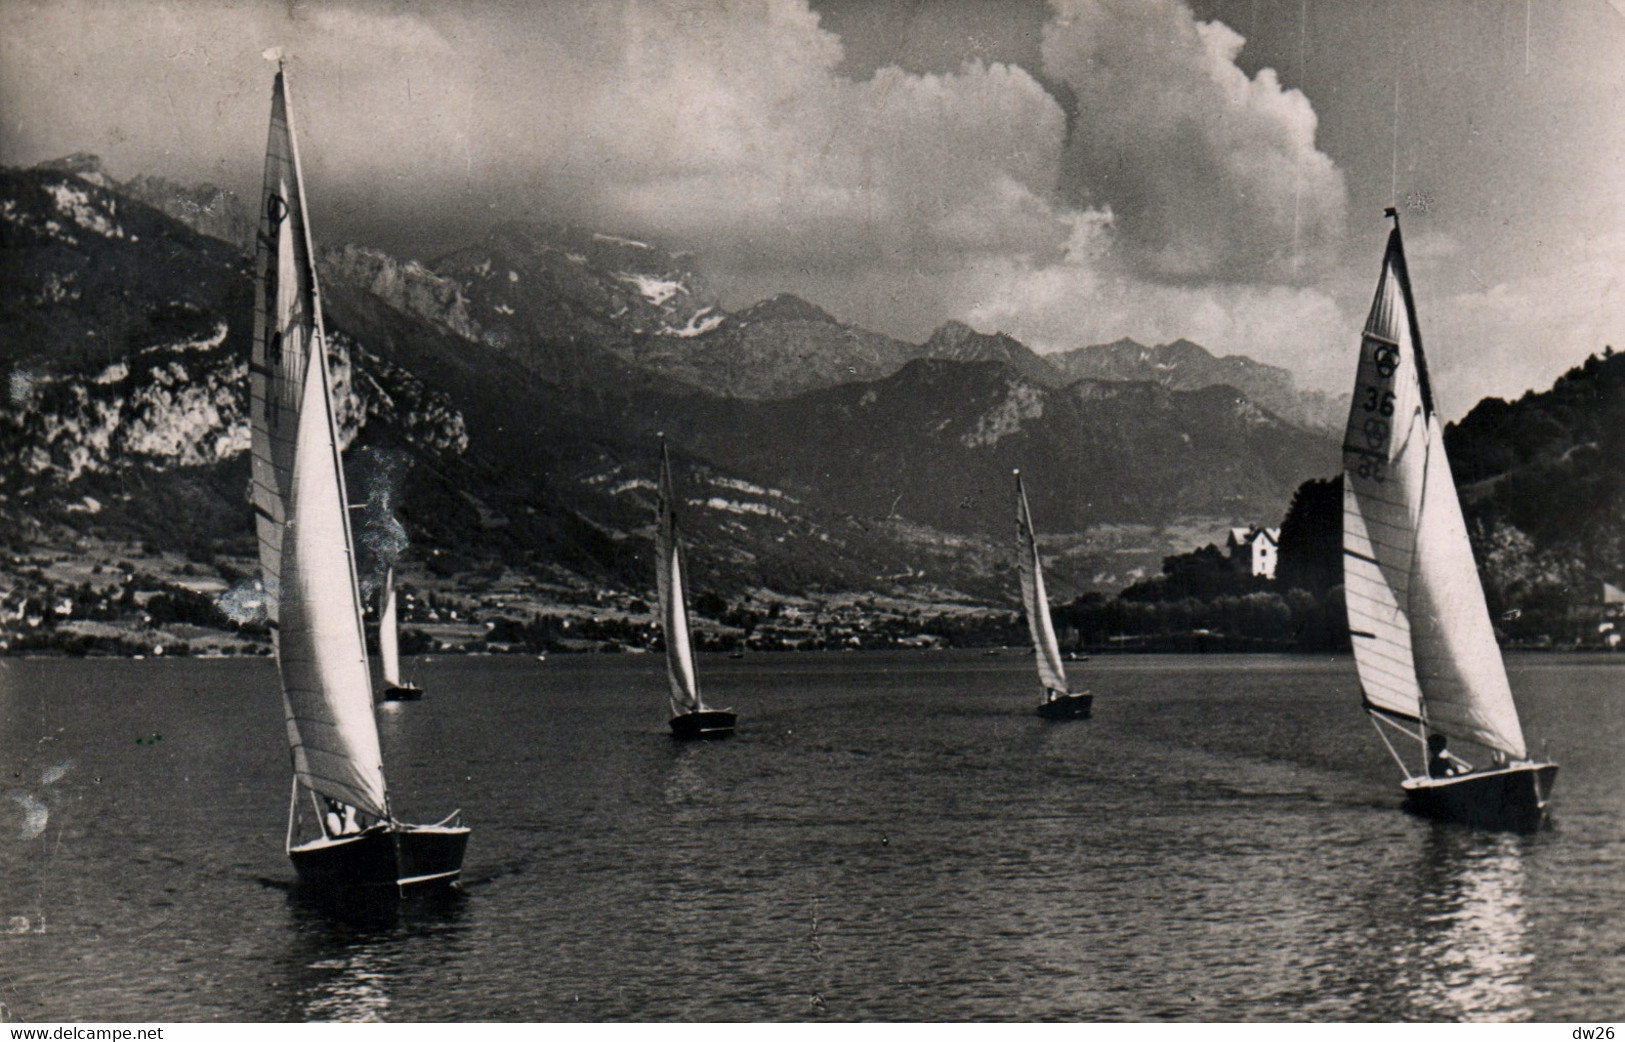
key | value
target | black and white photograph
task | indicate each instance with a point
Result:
(628, 512)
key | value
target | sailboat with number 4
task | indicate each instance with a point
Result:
(307, 562)
(1429, 667)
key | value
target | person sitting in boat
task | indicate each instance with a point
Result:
(341, 819)
(1440, 763)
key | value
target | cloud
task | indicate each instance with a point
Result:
(1079, 302)
(721, 126)
(897, 201)
(1210, 173)
(1525, 331)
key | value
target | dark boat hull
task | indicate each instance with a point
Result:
(1512, 798)
(401, 693)
(1067, 707)
(403, 858)
(707, 723)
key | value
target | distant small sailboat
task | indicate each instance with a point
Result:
(1423, 644)
(1059, 703)
(691, 718)
(307, 562)
(389, 646)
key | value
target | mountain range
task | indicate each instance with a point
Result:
(504, 400)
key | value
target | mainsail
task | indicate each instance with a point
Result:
(685, 685)
(389, 642)
(300, 504)
(1036, 601)
(1422, 638)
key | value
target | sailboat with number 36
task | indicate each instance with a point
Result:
(1429, 667)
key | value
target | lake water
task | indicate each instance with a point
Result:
(889, 836)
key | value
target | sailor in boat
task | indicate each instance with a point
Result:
(1440, 763)
(341, 818)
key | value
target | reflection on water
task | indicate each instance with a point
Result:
(894, 837)
(350, 957)
(1471, 958)
(355, 993)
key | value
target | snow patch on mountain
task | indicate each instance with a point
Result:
(699, 323)
(655, 290)
(749, 489)
(734, 506)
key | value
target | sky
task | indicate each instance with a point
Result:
(1065, 171)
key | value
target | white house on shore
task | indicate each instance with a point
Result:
(1253, 549)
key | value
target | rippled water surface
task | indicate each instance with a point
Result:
(888, 836)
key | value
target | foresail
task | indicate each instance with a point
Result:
(1464, 680)
(389, 645)
(1421, 633)
(1035, 599)
(301, 512)
(685, 685)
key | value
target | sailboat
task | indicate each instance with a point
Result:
(1423, 644)
(690, 718)
(389, 646)
(1059, 703)
(307, 563)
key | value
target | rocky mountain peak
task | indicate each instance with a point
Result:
(85, 165)
(958, 342)
(786, 307)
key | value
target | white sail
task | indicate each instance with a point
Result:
(300, 505)
(685, 684)
(1422, 638)
(389, 641)
(1036, 600)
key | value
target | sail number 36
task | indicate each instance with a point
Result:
(1378, 401)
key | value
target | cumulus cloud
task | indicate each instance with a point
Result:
(1210, 173)
(723, 127)
(1080, 301)
(897, 201)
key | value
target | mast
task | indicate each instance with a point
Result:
(1423, 643)
(300, 504)
(1035, 600)
(389, 647)
(685, 685)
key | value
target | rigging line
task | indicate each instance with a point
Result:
(1297, 168)
(1391, 751)
(1393, 174)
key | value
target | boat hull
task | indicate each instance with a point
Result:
(1511, 798)
(707, 723)
(400, 693)
(1067, 707)
(403, 858)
